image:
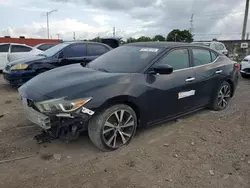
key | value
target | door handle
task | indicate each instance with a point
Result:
(218, 71)
(190, 79)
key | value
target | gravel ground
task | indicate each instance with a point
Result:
(205, 149)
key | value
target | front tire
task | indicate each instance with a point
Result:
(222, 97)
(113, 128)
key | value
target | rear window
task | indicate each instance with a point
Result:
(245, 60)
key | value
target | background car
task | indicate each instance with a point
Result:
(245, 67)
(218, 46)
(45, 46)
(136, 84)
(20, 71)
(13, 51)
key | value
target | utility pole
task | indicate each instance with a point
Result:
(245, 21)
(113, 31)
(191, 24)
(58, 35)
(74, 35)
(47, 15)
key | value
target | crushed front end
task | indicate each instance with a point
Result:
(58, 118)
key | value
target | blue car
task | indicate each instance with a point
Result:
(20, 71)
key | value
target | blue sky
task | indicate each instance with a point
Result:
(90, 18)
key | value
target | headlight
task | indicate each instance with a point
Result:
(19, 67)
(61, 105)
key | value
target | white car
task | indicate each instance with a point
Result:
(12, 51)
(245, 67)
(218, 46)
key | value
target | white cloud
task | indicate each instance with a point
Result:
(64, 27)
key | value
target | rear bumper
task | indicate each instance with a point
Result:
(245, 68)
(19, 77)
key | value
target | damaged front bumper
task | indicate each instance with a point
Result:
(63, 125)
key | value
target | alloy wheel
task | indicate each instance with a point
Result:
(224, 96)
(118, 129)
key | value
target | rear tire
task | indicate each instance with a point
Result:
(113, 128)
(222, 97)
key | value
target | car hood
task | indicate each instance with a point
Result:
(27, 60)
(68, 81)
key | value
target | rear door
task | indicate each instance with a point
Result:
(4, 49)
(172, 94)
(75, 53)
(208, 73)
(95, 50)
(19, 51)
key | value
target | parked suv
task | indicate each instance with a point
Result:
(218, 46)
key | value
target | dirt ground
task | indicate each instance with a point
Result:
(205, 149)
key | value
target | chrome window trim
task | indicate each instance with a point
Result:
(197, 66)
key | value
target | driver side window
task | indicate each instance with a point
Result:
(178, 59)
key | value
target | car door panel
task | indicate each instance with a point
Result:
(170, 95)
(75, 53)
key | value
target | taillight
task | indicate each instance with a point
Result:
(237, 66)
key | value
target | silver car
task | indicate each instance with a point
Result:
(218, 46)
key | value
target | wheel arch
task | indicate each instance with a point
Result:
(232, 86)
(124, 99)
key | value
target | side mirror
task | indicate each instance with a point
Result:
(161, 69)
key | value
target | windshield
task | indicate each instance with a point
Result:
(53, 50)
(125, 59)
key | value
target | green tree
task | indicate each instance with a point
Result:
(97, 39)
(180, 36)
(158, 38)
(130, 40)
(144, 39)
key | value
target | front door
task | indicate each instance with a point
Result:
(4, 49)
(75, 53)
(172, 94)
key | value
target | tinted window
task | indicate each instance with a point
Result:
(77, 50)
(96, 50)
(201, 57)
(55, 49)
(44, 47)
(125, 59)
(18, 48)
(178, 59)
(4, 48)
(213, 56)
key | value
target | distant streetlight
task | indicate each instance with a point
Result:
(47, 14)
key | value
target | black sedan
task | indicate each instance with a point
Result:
(18, 72)
(133, 85)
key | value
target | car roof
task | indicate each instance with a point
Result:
(15, 44)
(162, 44)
